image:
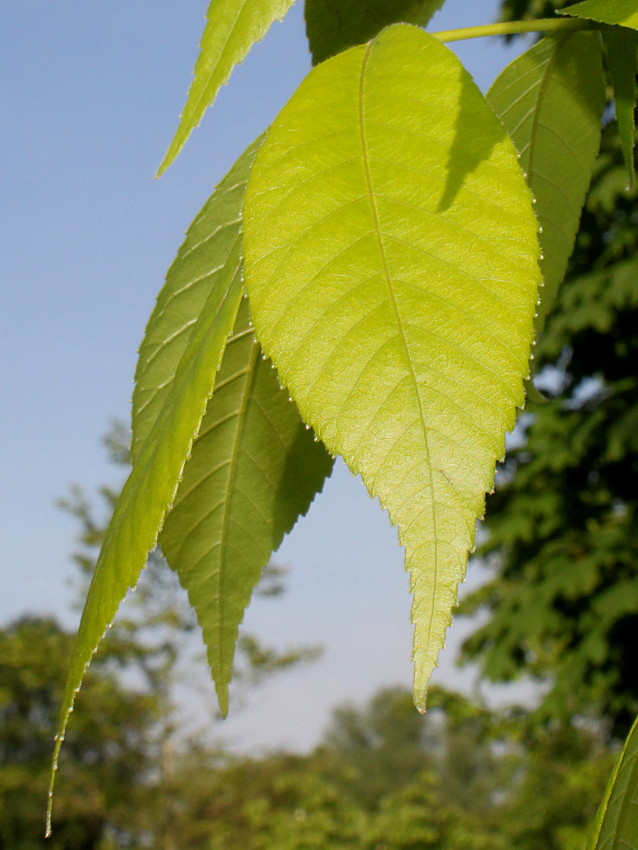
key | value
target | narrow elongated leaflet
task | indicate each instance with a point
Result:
(212, 241)
(150, 488)
(232, 27)
(160, 452)
(551, 101)
(623, 12)
(334, 25)
(622, 47)
(616, 824)
(392, 269)
(254, 469)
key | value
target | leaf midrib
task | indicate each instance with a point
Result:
(542, 91)
(404, 344)
(196, 108)
(241, 416)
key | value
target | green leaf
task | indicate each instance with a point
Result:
(616, 825)
(391, 265)
(551, 101)
(622, 45)
(201, 264)
(334, 25)
(232, 27)
(252, 446)
(622, 12)
(152, 484)
(254, 469)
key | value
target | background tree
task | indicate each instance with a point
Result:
(109, 756)
(557, 785)
(471, 774)
(386, 745)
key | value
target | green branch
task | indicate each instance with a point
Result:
(514, 28)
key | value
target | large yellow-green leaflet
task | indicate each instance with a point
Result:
(232, 27)
(392, 268)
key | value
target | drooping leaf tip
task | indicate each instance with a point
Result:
(222, 699)
(167, 161)
(420, 701)
(48, 829)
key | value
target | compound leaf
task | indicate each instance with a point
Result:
(541, 98)
(622, 12)
(232, 27)
(334, 25)
(213, 240)
(616, 825)
(254, 469)
(622, 45)
(392, 269)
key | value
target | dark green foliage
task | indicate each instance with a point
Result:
(121, 764)
(388, 745)
(460, 778)
(382, 745)
(385, 777)
(335, 25)
(471, 775)
(562, 532)
(621, 46)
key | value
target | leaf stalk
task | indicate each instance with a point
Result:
(514, 28)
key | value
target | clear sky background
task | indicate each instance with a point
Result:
(91, 92)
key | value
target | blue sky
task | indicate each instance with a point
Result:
(91, 95)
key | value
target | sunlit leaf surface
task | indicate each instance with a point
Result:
(254, 468)
(392, 269)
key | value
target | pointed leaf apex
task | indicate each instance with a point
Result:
(232, 27)
(221, 689)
